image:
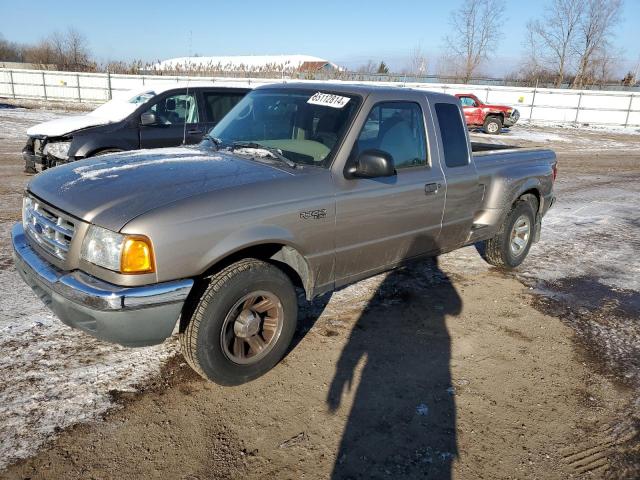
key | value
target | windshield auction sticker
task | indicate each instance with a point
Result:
(328, 100)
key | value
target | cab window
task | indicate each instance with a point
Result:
(175, 110)
(468, 102)
(398, 129)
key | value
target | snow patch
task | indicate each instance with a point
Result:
(113, 169)
(52, 377)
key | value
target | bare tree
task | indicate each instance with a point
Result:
(417, 61)
(67, 51)
(76, 50)
(605, 61)
(10, 51)
(475, 27)
(553, 38)
(41, 54)
(56, 42)
(595, 28)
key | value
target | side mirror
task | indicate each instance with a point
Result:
(148, 118)
(373, 164)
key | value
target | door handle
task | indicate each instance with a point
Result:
(431, 188)
(194, 131)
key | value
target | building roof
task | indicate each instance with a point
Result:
(244, 63)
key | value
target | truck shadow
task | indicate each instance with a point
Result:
(402, 422)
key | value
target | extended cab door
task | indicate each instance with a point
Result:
(464, 194)
(383, 221)
(171, 112)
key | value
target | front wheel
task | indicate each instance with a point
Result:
(493, 125)
(509, 247)
(243, 324)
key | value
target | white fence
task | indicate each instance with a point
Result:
(593, 107)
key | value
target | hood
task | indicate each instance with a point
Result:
(114, 189)
(501, 108)
(63, 126)
(110, 112)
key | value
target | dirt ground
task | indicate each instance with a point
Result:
(446, 369)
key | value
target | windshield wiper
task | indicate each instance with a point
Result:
(216, 141)
(273, 151)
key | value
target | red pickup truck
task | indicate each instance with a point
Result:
(490, 117)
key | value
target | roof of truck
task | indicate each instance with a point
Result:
(358, 88)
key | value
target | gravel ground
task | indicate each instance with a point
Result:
(450, 368)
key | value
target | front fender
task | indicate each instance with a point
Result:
(262, 235)
(85, 145)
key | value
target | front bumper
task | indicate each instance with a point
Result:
(512, 119)
(130, 316)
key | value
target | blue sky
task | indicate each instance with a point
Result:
(348, 33)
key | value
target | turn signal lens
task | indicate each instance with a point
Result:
(137, 255)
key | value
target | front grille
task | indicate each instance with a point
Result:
(51, 231)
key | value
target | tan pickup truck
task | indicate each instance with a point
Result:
(303, 185)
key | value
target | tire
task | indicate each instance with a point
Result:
(493, 125)
(500, 250)
(222, 338)
(106, 152)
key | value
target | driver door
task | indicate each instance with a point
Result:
(177, 121)
(472, 112)
(381, 222)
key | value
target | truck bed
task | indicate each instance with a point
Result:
(478, 147)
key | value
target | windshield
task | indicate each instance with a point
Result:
(305, 125)
(142, 98)
(120, 108)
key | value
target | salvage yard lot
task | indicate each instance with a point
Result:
(447, 366)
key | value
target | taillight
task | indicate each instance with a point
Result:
(555, 171)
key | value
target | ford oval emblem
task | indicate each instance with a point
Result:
(38, 228)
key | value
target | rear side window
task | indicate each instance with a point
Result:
(452, 130)
(396, 128)
(218, 104)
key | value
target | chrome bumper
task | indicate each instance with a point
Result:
(132, 316)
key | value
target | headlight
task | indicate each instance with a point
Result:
(26, 205)
(117, 252)
(57, 149)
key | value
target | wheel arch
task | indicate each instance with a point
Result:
(279, 253)
(495, 113)
(530, 189)
(99, 150)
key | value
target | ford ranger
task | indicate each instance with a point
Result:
(308, 185)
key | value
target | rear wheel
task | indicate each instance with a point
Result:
(510, 246)
(243, 324)
(493, 125)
